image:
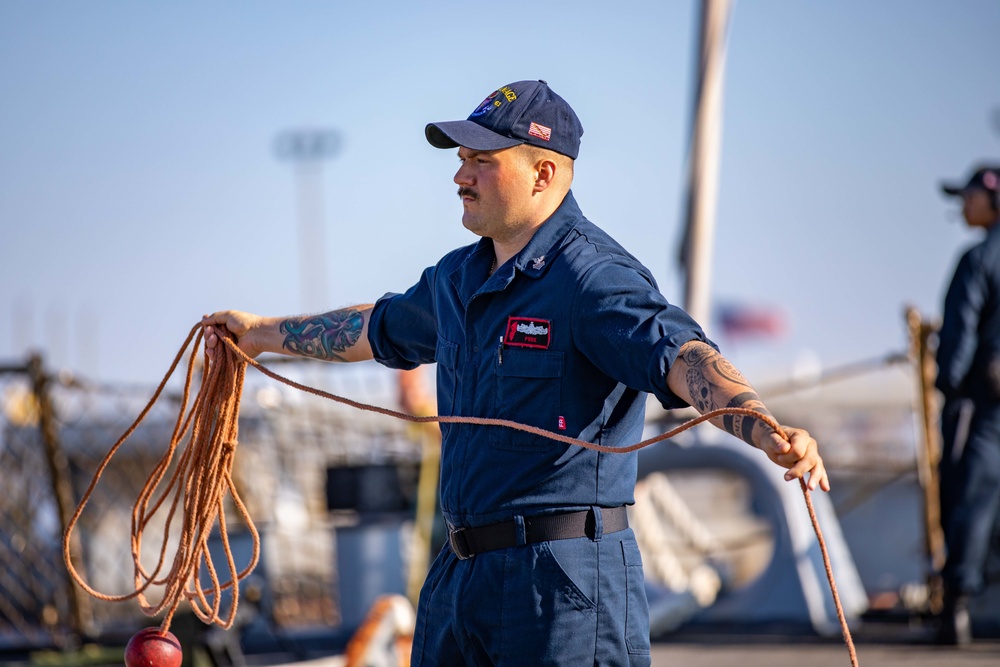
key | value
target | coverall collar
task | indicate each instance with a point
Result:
(533, 260)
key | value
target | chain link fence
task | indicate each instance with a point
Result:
(56, 429)
(33, 596)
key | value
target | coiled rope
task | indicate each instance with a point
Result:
(204, 474)
(201, 478)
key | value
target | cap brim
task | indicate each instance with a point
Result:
(455, 133)
(953, 190)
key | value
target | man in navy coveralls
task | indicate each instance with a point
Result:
(549, 322)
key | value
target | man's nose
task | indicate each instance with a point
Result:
(463, 176)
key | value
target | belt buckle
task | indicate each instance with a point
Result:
(459, 545)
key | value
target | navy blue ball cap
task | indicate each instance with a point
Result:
(525, 112)
(984, 178)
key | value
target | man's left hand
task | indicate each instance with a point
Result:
(800, 454)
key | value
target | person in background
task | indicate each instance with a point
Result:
(968, 358)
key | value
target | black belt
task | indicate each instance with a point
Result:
(467, 542)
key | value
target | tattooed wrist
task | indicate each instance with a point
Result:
(323, 336)
(740, 425)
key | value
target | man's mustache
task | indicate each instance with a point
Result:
(467, 192)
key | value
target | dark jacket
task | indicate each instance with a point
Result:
(969, 342)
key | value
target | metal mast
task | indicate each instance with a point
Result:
(703, 160)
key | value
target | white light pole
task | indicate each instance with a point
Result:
(307, 149)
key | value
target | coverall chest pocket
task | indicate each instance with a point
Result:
(529, 391)
(446, 355)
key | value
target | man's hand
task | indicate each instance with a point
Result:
(800, 456)
(245, 326)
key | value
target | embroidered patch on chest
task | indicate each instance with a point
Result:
(528, 332)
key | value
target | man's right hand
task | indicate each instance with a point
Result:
(248, 328)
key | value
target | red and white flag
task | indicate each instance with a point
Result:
(540, 131)
(740, 320)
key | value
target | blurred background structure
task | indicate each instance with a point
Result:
(307, 469)
(334, 493)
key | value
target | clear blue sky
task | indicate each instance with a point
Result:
(139, 188)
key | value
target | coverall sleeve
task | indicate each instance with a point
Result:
(628, 329)
(959, 335)
(402, 330)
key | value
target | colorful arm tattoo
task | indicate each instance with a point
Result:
(323, 336)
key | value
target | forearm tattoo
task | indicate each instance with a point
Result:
(323, 336)
(739, 425)
(710, 378)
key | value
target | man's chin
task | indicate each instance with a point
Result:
(472, 224)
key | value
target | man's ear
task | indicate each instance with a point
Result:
(545, 174)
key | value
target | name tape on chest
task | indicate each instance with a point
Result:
(528, 332)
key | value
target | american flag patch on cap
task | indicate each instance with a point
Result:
(540, 131)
